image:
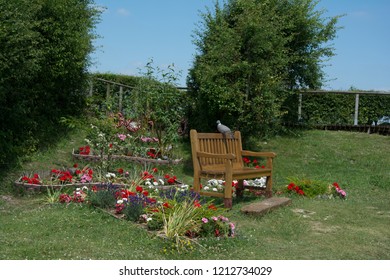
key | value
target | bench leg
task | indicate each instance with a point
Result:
(240, 188)
(268, 187)
(196, 184)
(228, 203)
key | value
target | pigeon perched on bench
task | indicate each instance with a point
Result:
(224, 130)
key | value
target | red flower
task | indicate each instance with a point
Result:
(146, 175)
(110, 145)
(212, 207)
(25, 179)
(84, 150)
(139, 189)
(155, 170)
(171, 181)
(291, 186)
(75, 165)
(197, 204)
(65, 198)
(145, 193)
(120, 170)
(166, 205)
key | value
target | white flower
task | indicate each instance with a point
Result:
(110, 175)
(149, 219)
(148, 183)
(215, 189)
(206, 188)
(78, 189)
(213, 182)
(120, 201)
(85, 188)
(161, 181)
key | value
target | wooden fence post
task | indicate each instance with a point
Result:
(355, 121)
(300, 107)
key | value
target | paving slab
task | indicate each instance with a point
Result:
(263, 207)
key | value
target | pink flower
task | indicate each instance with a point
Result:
(122, 136)
(205, 220)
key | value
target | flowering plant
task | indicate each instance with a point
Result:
(217, 226)
(85, 150)
(215, 185)
(252, 163)
(78, 196)
(337, 191)
(35, 179)
(312, 188)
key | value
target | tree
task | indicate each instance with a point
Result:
(44, 48)
(251, 55)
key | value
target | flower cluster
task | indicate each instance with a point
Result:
(85, 150)
(252, 163)
(152, 153)
(340, 192)
(294, 188)
(78, 196)
(64, 176)
(315, 189)
(218, 226)
(85, 175)
(126, 198)
(32, 180)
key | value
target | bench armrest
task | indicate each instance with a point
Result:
(258, 154)
(220, 156)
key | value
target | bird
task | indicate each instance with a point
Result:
(224, 130)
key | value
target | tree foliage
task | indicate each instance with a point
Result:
(44, 48)
(251, 55)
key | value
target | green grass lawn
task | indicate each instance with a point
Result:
(356, 228)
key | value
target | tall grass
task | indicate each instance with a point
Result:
(356, 228)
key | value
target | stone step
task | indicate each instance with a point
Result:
(263, 207)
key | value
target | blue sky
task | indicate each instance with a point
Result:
(134, 31)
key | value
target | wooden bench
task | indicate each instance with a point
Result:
(215, 156)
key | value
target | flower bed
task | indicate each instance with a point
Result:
(160, 204)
